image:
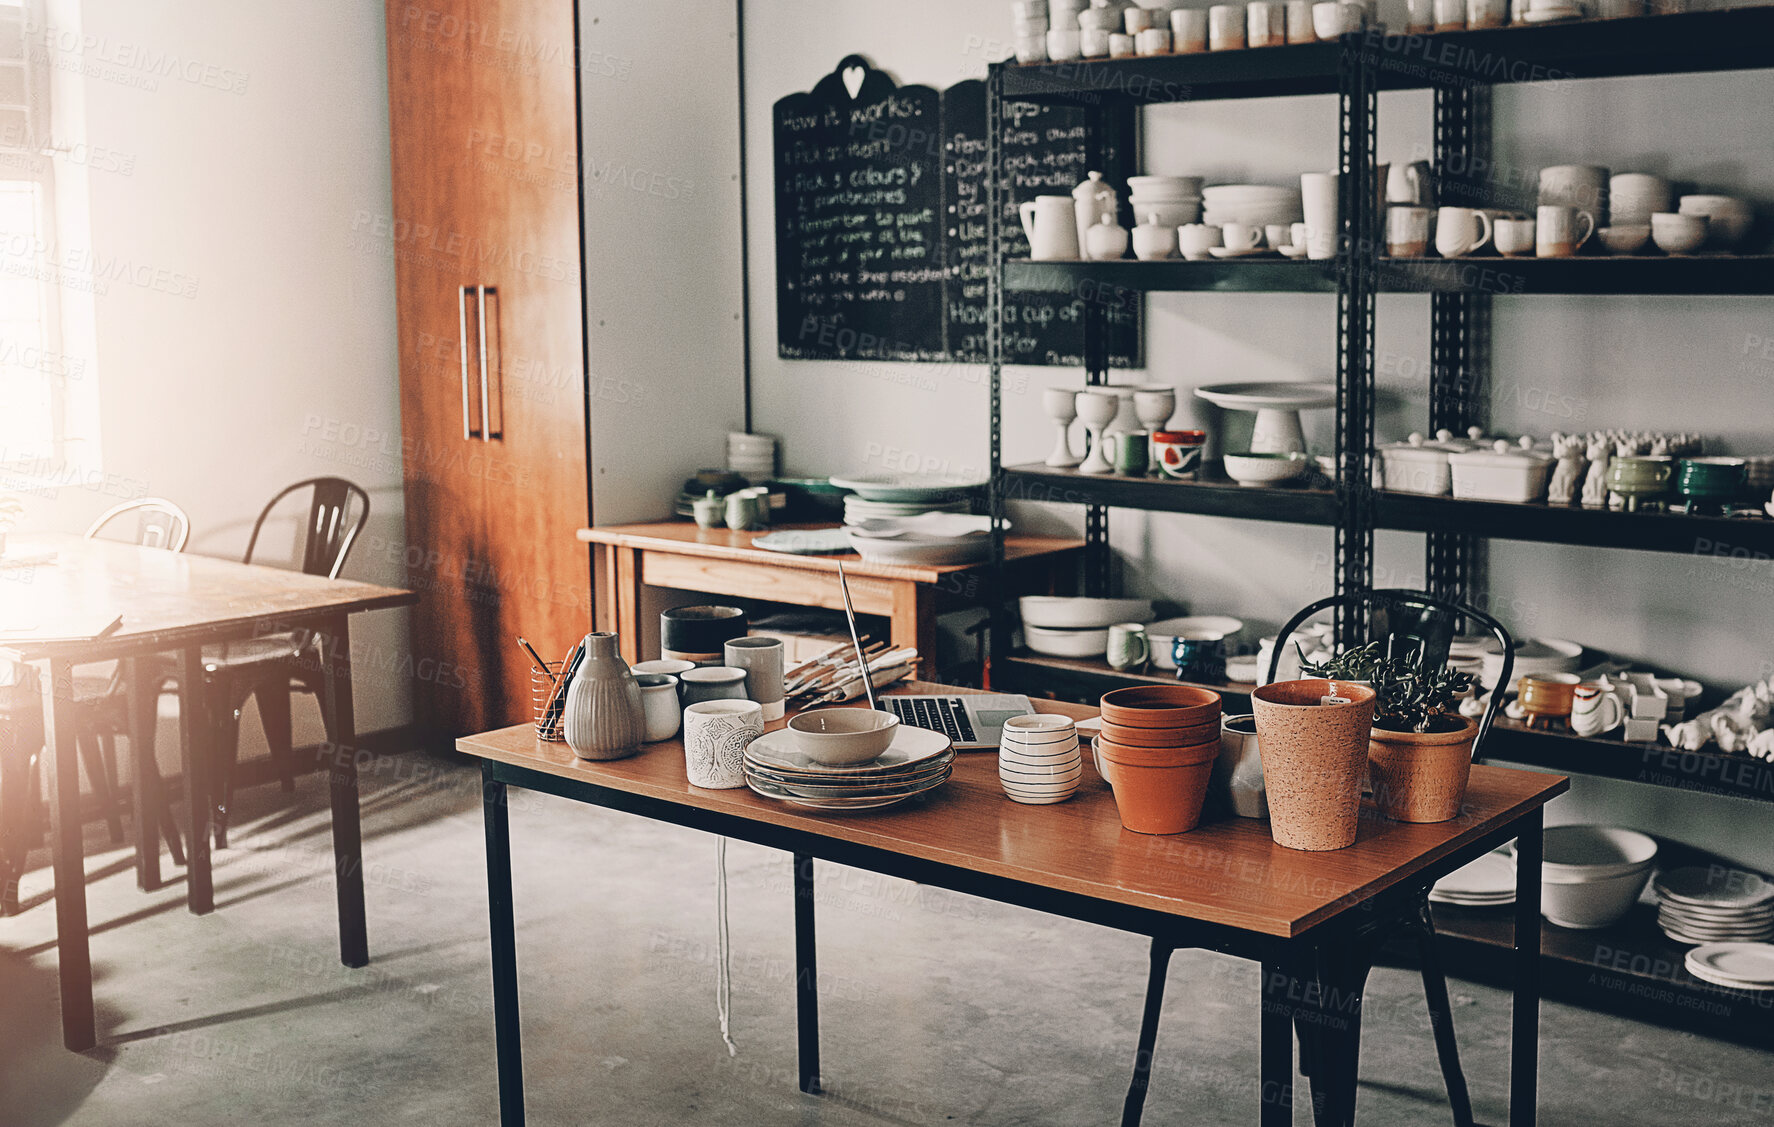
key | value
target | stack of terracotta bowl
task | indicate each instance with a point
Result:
(1157, 750)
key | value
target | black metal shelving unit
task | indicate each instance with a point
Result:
(1460, 68)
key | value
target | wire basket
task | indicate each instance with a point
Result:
(548, 702)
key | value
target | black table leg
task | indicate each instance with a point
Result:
(1343, 973)
(74, 957)
(195, 745)
(1135, 1104)
(1524, 1032)
(1277, 1047)
(1441, 1018)
(507, 1033)
(806, 977)
(141, 699)
(354, 943)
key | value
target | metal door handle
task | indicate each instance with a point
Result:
(462, 338)
(486, 420)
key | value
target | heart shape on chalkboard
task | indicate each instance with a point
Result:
(853, 77)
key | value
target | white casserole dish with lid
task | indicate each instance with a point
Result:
(1418, 465)
(1502, 473)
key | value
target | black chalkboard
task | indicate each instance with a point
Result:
(1044, 155)
(859, 255)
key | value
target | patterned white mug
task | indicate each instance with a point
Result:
(716, 734)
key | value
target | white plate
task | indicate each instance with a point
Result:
(1492, 875)
(1066, 643)
(778, 749)
(905, 487)
(769, 790)
(1728, 984)
(1701, 887)
(1748, 963)
(1269, 395)
(1228, 252)
(1061, 611)
(1292, 251)
(923, 553)
(895, 789)
(805, 542)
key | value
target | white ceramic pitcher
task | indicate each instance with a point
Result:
(1051, 223)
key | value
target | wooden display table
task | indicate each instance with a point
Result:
(680, 555)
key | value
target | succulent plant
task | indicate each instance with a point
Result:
(1407, 696)
(10, 510)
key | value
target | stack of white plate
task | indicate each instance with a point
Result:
(1710, 905)
(1533, 655)
(1488, 882)
(1063, 626)
(858, 509)
(753, 456)
(929, 540)
(918, 761)
(1736, 966)
(1174, 200)
(1256, 204)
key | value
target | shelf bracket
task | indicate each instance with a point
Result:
(1356, 269)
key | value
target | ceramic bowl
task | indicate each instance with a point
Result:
(1595, 903)
(1678, 234)
(1572, 853)
(1160, 706)
(1066, 643)
(1624, 239)
(1548, 694)
(1639, 476)
(1264, 469)
(1063, 611)
(1161, 636)
(1728, 219)
(843, 737)
(1710, 477)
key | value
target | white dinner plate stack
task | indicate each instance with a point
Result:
(1735, 966)
(1714, 905)
(1256, 204)
(858, 509)
(929, 540)
(918, 761)
(1488, 882)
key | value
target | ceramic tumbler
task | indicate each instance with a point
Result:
(698, 633)
(1133, 452)
(1318, 195)
(605, 718)
(661, 711)
(1514, 237)
(1299, 22)
(712, 682)
(1038, 759)
(1128, 648)
(1407, 231)
(716, 734)
(1225, 27)
(1560, 230)
(1178, 452)
(1188, 31)
(763, 662)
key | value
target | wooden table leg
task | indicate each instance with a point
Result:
(507, 1030)
(74, 957)
(1524, 1032)
(354, 944)
(914, 623)
(196, 753)
(142, 701)
(626, 591)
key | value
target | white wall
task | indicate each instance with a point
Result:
(1675, 364)
(251, 156)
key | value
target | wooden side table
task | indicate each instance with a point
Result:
(680, 555)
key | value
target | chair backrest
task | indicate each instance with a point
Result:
(159, 523)
(1416, 617)
(336, 514)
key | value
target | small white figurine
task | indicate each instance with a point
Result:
(1595, 487)
(1567, 476)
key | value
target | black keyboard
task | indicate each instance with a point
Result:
(938, 714)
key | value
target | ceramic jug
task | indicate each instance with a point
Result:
(605, 718)
(1595, 710)
(1051, 224)
(1092, 200)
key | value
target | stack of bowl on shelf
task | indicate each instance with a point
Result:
(1591, 876)
(1077, 627)
(914, 521)
(1714, 904)
(1156, 748)
(752, 456)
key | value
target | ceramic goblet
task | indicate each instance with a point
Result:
(1098, 409)
(1154, 405)
(1062, 407)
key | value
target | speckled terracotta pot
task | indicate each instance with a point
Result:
(1314, 760)
(1421, 776)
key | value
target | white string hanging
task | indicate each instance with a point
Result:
(723, 950)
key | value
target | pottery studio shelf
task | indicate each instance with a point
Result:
(1122, 281)
(1685, 43)
(1707, 274)
(1213, 495)
(1084, 680)
(1745, 537)
(1711, 772)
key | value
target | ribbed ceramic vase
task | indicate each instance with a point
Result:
(1314, 759)
(605, 718)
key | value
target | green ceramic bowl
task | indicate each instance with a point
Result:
(1710, 477)
(1642, 475)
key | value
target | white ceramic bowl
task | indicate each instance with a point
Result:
(1678, 234)
(1627, 239)
(1065, 612)
(843, 737)
(1586, 853)
(1593, 904)
(1264, 469)
(1157, 189)
(1161, 636)
(1728, 219)
(1066, 643)
(1166, 213)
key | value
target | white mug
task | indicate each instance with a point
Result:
(1197, 240)
(1407, 231)
(1225, 27)
(1595, 710)
(1514, 237)
(1460, 231)
(716, 734)
(1318, 199)
(1557, 226)
(1332, 19)
(1120, 46)
(1153, 41)
(1138, 19)
(1420, 15)
(1242, 236)
(1188, 31)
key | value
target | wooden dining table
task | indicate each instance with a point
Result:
(1313, 920)
(66, 601)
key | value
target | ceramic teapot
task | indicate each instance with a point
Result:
(1050, 222)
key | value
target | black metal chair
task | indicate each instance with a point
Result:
(274, 666)
(1427, 622)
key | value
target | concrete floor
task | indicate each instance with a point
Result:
(937, 1007)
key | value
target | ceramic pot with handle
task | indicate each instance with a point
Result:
(605, 718)
(1051, 224)
(1595, 710)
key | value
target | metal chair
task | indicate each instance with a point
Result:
(272, 667)
(1428, 622)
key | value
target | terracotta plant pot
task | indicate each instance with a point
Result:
(1161, 706)
(1157, 756)
(1421, 776)
(1314, 760)
(1161, 737)
(1157, 800)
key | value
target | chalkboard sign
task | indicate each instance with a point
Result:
(1044, 154)
(859, 255)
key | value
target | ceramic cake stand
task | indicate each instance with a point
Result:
(1278, 406)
